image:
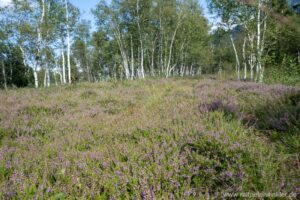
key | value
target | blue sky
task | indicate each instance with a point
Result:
(85, 7)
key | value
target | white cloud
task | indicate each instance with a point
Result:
(4, 3)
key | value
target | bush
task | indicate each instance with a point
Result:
(230, 110)
(88, 94)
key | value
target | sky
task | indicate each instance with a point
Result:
(85, 7)
(4, 3)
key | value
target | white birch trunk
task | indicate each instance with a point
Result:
(244, 58)
(191, 69)
(54, 73)
(38, 64)
(258, 64)
(252, 56)
(23, 55)
(87, 63)
(61, 78)
(168, 70)
(141, 41)
(118, 36)
(262, 69)
(36, 80)
(132, 58)
(63, 66)
(68, 42)
(236, 58)
(48, 77)
(182, 59)
(152, 61)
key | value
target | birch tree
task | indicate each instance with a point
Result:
(246, 16)
(109, 18)
(68, 42)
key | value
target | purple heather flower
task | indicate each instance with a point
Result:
(93, 155)
(67, 163)
(229, 174)
(79, 165)
(240, 175)
(118, 173)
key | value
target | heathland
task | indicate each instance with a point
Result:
(149, 139)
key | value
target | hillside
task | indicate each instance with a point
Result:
(150, 139)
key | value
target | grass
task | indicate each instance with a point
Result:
(152, 139)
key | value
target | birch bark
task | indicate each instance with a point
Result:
(244, 58)
(236, 58)
(68, 42)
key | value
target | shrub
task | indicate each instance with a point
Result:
(230, 110)
(88, 94)
(218, 163)
(40, 110)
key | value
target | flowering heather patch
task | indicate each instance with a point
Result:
(152, 139)
(218, 105)
(266, 107)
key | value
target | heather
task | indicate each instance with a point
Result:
(149, 139)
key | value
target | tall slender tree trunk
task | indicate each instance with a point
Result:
(55, 79)
(38, 64)
(23, 55)
(141, 41)
(244, 58)
(191, 69)
(161, 41)
(152, 54)
(89, 75)
(24, 60)
(48, 77)
(64, 81)
(47, 71)
(35, 75)
(199, 72)
(55, 73)
(122, 49)
(262, 68)
(60, 78)
(162, 64)
(236, 58)
(88, 72)
(258, 62)
(252, 56)
(11, 73)
(4, 75)
(152, 62)
(181, 59)
(168, 71)
(132, 58)
(68, 42)
(45, 78)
